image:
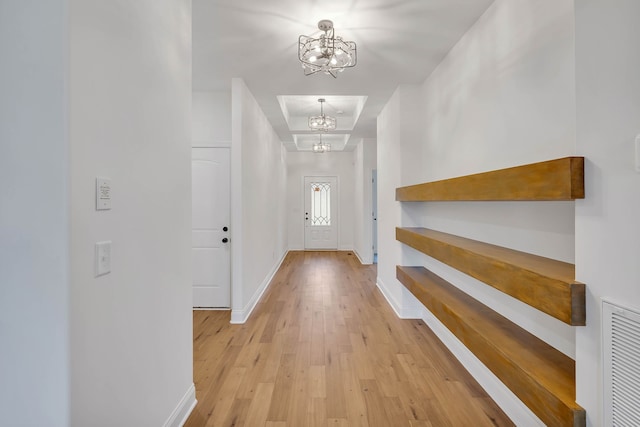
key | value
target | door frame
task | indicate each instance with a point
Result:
(374, 215)
(304, 195)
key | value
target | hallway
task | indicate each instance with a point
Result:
(323, 348)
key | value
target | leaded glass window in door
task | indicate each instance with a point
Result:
(320, 203)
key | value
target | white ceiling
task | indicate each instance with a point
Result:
(398, 41)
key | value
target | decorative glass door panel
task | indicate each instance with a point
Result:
(320, 203)
(320, 213)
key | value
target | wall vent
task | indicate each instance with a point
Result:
(621, 330)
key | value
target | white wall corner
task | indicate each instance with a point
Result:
(239, 317)
(510, 404)
(236, 223)
(180, 414)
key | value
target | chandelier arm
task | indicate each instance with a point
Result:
(309, 71)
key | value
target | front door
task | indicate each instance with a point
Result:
(210, 227)
(321, 208)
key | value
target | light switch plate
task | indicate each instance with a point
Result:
(103, 193)
(103, 258)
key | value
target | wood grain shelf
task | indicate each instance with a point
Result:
(542, 377)
(559, 179)
(543, 283)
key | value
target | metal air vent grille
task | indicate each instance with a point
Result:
(621, 329)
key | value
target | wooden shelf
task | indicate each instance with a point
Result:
(560, 179)
(541, 376)
(543, 283)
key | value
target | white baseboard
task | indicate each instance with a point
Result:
(517, 411)
(392, 302)
(363, 262)
(240, 316)
(401, 310)
(180, 414)
(211, 144)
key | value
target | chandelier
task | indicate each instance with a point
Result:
(321, 147)
(322, 123)
(328, 53)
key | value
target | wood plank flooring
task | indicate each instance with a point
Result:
(323, 348)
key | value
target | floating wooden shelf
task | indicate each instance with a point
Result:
(541, 376)
(560, 179)
(543, 283)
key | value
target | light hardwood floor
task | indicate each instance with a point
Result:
(323, 348)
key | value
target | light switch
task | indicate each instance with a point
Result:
(103, 258)
(103, 193)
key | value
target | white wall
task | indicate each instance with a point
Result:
(365, 163)
(130, 119)
(258, 229)
(607, 229)
(211, 119)
(398, 133)
(504, 96)
(306, 163)
(34, 214)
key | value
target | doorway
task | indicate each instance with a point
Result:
(210, 190)
(321, 212)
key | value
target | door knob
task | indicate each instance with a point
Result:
(225, 240)
(225, 228)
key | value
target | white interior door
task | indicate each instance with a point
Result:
(210, 227)
(321, 212)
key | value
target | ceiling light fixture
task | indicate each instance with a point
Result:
(322, 123)
(321, 147)
(327, 53)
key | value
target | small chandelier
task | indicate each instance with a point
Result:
(321, 147)
(328, 53)
(322, 123)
